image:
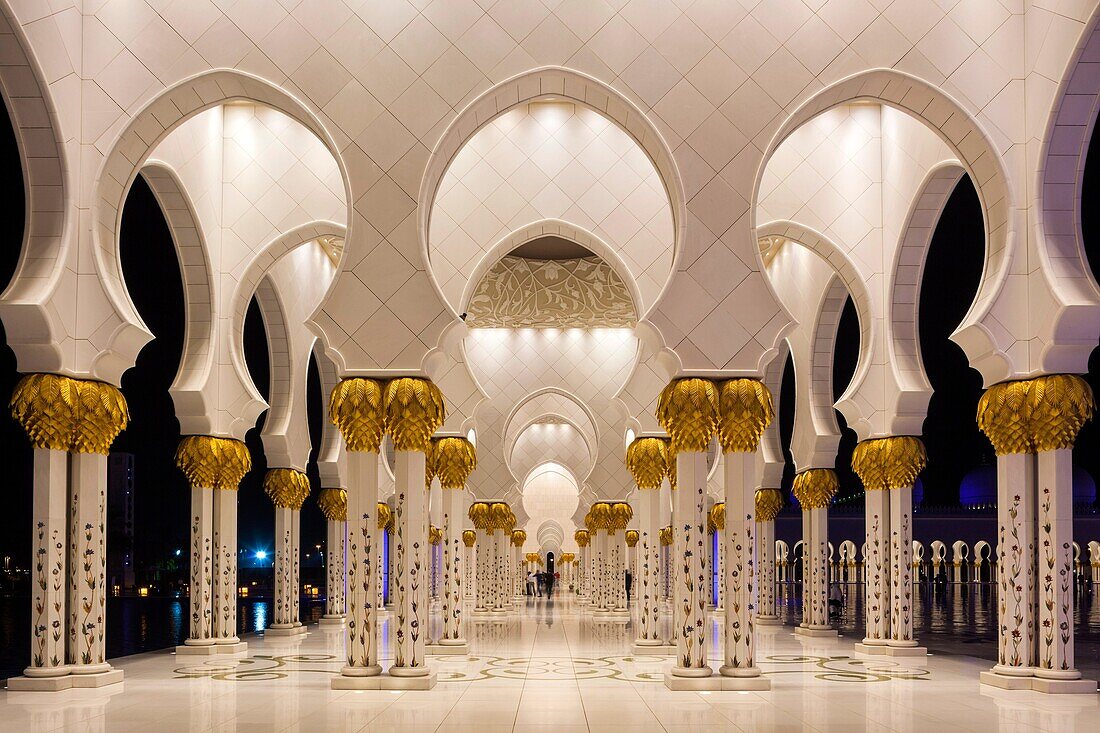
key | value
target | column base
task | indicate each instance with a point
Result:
(1063, 687)
(611, 617)
(768, 621)
(358, 678)
(285, 631)
(397, 682)
(810, 631)
(65, 682)
(880, 650)
(1038, 684)
(333, 621)
(708, 681)
(212, 649)
(449, 649)
(734, 678)
(653, 648)
(384, 682)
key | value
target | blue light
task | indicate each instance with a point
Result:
(177, 553)
(261, 555)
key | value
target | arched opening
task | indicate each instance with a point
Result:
(255, 540)
(1086, 451)
(147, 497)
(15, 543)
(952, 273)
(845, 356)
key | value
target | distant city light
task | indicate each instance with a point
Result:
(261, 555)
(178, 553)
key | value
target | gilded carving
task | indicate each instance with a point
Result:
(647, 460)
(768, 504)
(333, 504)
(62, 413)
(414, 410)
(385, 516)
(688, 410)
(665, 536)
(213, 463)
(1033, 415)
(355, 407)
(577, 293)
(455, 460)
(815, 488)
(287, 487)
(889, 463)
(746, 411)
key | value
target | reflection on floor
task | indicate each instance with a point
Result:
(546, 668)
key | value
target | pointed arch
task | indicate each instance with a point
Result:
(976, 154)
(196, 272)
(32, 331)
(563, 84)
(132, 148)
(1062, 158)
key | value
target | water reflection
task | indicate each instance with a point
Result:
(254, 616)
(134, 625)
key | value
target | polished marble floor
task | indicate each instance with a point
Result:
(547, 669)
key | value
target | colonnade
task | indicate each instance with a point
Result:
(1031, 430)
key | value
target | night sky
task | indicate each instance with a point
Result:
(955, 445)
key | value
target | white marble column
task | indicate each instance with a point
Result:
(333, 503)
(500, 571)
(469, 565)
(288, 489)
(202, 568)
(768, 503)
(483, 570)
(411, 566)
(646, 585)
(901, 570)
(1055, 660)
(739, 573)
(49, 592)
(1032, 425)
(601, 571)
(364, 538)
(877, 566)
(691, 573)
(225, 570)
(618, 580)
(69, 511)
(296, 568)
(284, 549)
(582, 538)
(453, 569)
(87, 603)
(213, 468)
(815, 489)
(804, 562)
